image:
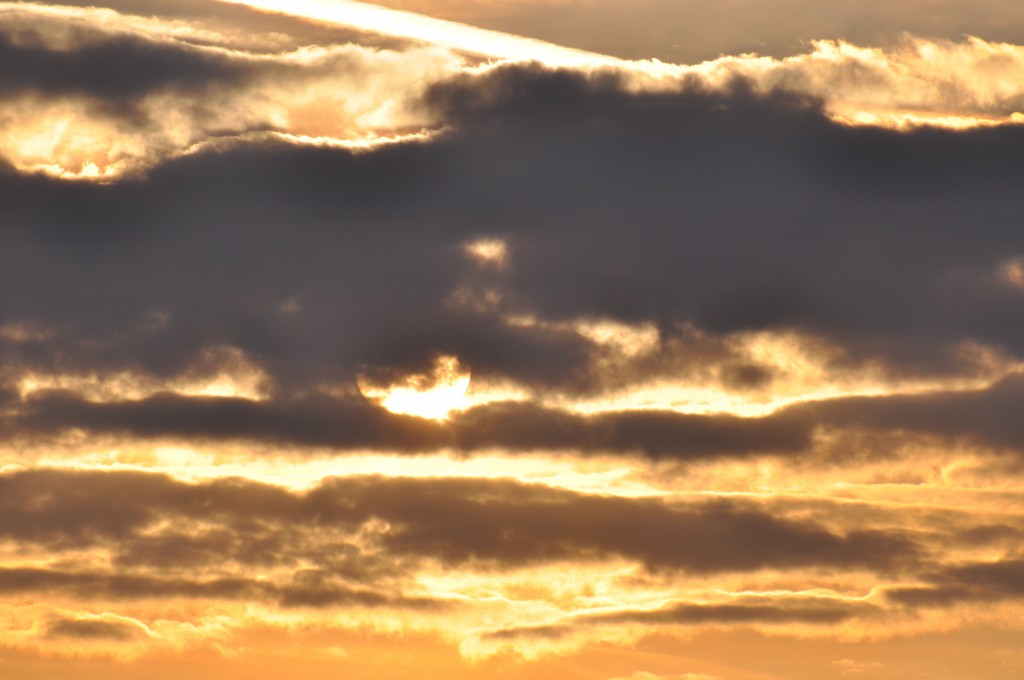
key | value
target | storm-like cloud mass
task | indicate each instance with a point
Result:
(317, 332)
(662, 191)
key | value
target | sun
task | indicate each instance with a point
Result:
(434, 394)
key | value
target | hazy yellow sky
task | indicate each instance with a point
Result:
(537, 339)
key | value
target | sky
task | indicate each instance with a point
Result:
(533, 339)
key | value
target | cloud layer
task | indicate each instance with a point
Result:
(742, 340)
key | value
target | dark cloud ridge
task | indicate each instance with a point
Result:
(92, 629)
(455, 521)
(355, 424)
(785, 610)
(987, 417)
(114, 68)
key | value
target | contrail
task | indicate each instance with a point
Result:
(456, 36)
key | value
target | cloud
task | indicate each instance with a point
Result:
(688, 614)
(864, 234)
(542, 125)
(455, 521)
(215, 24)
(350, 423)
(94, 629)
(88, 629)
(980, 582)
(987, 417)
(304, 590)
(394, 548)
(790, 613)
(74, 108)
(709, 538)
(658, 434)
(354, 424)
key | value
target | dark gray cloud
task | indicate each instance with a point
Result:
(722, 211)
(741, 212)
(142, 91)
(657, 434)
(728, 211)
(354, 423)
(455, 521)
(90, 629)
(790, 610)
(988, 416)
(304, 590)
(347, 423)
(703, 539)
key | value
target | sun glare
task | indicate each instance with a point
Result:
(433, 394)
(488, 251)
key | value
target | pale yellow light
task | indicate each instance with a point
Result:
(267, 464)
(432, 395)
(488, 251)
(435, 403)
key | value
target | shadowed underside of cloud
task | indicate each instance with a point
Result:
(810, 612)
(318, 591)
(989, 417)
(111, 72)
